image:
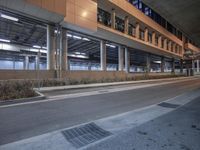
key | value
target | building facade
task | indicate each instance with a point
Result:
(89, 38)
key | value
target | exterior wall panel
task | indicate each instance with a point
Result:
(82, 14)
(57, 6)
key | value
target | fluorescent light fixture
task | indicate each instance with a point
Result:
(56, 31)
(44, 47)
(78, 56)
(85, 39)
(83, 53)
(157, 62)
(9, 17)
(81, 56)
(69, 35)
(43, 51)
(77, 37)
(34, 50)
(4, 40)
(36, 46)
(112, 46)
(77, 53)
(37, 50)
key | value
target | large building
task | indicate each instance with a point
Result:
(97, 38)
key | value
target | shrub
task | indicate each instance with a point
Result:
(16, 89)
(24, 88)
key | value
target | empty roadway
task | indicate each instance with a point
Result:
(23, 121)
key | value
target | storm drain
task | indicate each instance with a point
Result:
(84, 135)
(168, 105)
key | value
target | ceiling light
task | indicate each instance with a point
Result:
(83, 53)
(157, 62)
(4, 40)
(9, 17)
(36, 46)
(34, 50)
(78, 56)
(44, 47)
(43, 51)
(56, 31)
(85, 39)
(112, 46)
(84, 14)
(69, 35)
(78, 53)
(77, 37)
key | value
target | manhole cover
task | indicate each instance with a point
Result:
(168, 105)
(84, 135)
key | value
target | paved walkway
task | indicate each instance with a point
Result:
(178, 130)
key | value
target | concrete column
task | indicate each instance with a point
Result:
(126, 23)
(181, 66)
(120, 58)
(51, 47)
(148, 63)
(165, 44)
(113, 14)
(173, 65)
(160, 41)
(170, 46)
(127, 60)
(137, 30)
(64, 58)
(198, 70)
(162, 65)
(13, 63)
(37, 61)
(146, 33)
(103, 55)
(26, 63)
(154, 38)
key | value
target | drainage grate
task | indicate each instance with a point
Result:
(168, 105)
(84, 135)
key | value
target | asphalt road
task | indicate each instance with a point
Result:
(23, 121)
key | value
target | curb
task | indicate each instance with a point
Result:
(21, 100)
(84, 86)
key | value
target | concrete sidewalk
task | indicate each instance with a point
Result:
(48, 89)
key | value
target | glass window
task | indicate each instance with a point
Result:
(104, 17)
